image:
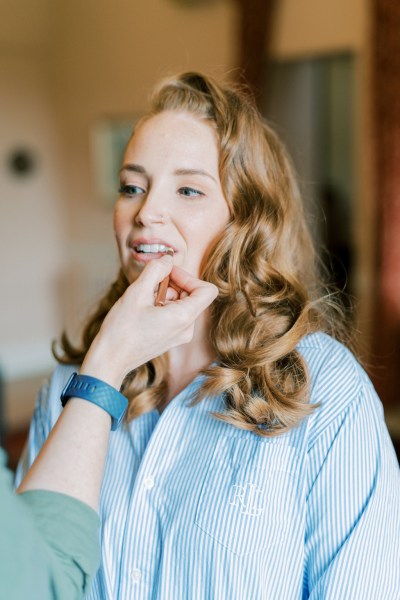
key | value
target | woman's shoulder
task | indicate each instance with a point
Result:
(320, 340)
(337, 381)
(60, 376)
(48, 401)
(328, 360)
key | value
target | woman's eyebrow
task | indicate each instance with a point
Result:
(134, 168)
(194, 172)
(131, 167)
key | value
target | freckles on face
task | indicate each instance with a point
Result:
(171, 192)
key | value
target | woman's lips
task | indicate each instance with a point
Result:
(141, 249)
(145, 257)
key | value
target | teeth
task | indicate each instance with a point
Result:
(152, 248)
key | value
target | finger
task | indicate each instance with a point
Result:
(186, 310)
(202, 294)
(174, 286)
(172, 294)
(154, 272)
(183, 280)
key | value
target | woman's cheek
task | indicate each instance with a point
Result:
(118, 219)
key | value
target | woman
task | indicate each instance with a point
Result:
(255, 462)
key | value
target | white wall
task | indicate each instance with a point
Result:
(31, 218)
(315, 27)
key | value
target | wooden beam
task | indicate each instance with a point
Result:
(255, 27)
(386, 116)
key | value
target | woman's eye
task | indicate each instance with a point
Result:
(189, 192)
(130, 190)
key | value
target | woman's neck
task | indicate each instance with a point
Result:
(187, 360)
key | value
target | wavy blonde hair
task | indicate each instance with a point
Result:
(264, 265)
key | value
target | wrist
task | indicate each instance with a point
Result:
(97, 364)
(89, 412)
(98, 392)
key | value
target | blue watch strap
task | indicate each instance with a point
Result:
(98, 392)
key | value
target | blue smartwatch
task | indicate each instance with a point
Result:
(98, 392)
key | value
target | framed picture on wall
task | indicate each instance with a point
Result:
(108, 139)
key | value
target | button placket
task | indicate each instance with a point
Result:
(143, 511)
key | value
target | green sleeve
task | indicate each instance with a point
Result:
(49, 546)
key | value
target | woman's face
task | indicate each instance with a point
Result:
(170, 194)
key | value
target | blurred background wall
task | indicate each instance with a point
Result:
(67, 69)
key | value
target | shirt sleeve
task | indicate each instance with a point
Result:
(66, 528)
(49, 547)
(353, 506)
(70, 531)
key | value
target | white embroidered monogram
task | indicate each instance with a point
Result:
(248, 498)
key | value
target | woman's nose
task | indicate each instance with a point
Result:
(152, 210)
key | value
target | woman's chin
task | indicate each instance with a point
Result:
(133, 272)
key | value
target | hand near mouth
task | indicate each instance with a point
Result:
(135, 331)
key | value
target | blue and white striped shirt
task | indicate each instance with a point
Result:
(193, 508)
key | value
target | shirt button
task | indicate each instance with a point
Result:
(136, 575)
(148, 482)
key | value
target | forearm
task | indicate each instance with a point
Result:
(72, 460)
